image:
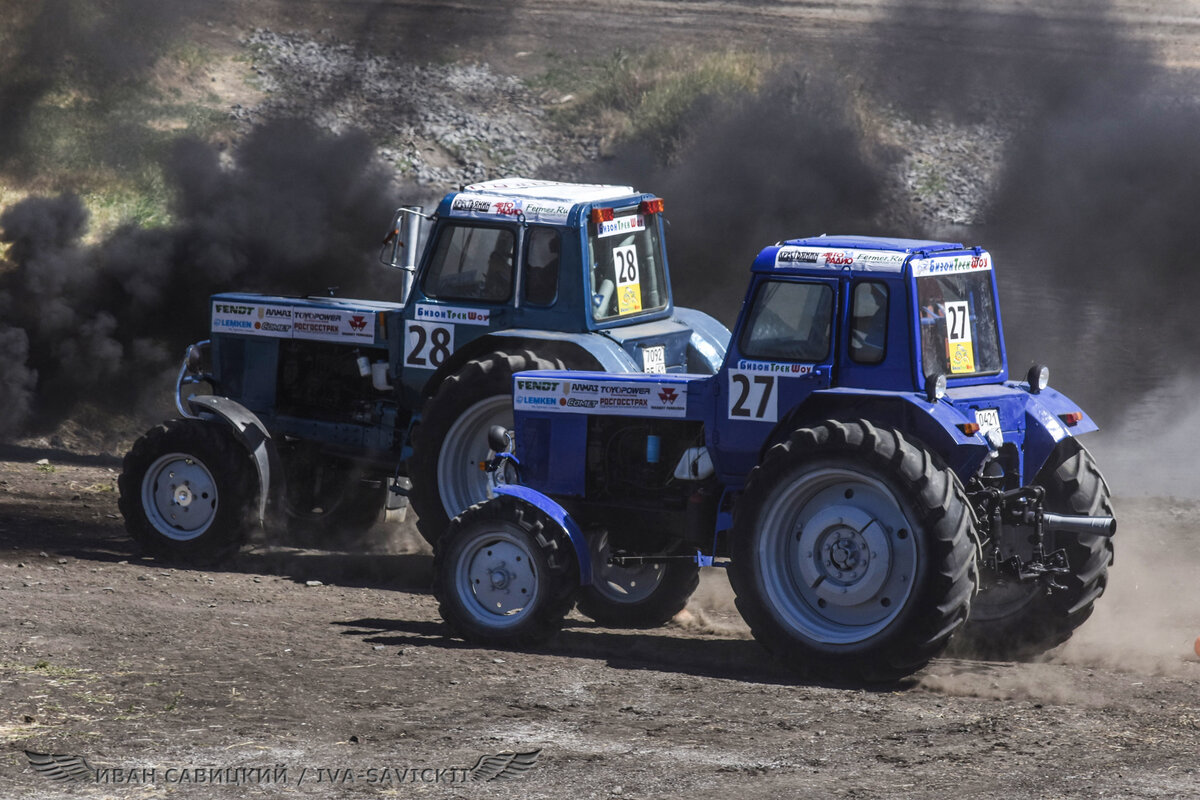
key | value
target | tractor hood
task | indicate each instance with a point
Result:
(648, 341)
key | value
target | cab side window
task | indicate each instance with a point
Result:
(868, 322)
(542, 250)
(471, 263)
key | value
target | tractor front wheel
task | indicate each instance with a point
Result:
(187, 491)
(505, 574)
(637, 596)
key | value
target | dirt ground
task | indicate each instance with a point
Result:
(328, 674)
(323, 673)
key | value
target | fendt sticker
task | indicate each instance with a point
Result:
(293, 322)
(629, 398)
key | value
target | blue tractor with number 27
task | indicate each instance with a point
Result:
(861, 464)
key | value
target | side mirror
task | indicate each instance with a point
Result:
(399, 248)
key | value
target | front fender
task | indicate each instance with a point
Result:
(709, 341)
(251, 432)
(560, 515)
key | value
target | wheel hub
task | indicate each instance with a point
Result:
(842, 555)
(183, 495)
(501, 577)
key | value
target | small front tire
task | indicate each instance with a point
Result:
(505, 574)
(187, 490)
(640, 596)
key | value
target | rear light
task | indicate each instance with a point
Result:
(654, 206)
(1072, 418)
(969, 428)
(601, 215)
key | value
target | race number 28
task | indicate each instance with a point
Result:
(427, 344)
(752, 396)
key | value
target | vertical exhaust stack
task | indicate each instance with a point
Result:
(412, 232)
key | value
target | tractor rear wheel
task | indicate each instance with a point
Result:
(639, 596)
(852, 552)
(1013, 619)
(450, 446)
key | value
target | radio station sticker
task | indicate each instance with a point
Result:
(630, 398)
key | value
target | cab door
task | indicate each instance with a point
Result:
(781, 352)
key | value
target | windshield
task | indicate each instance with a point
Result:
(959, 333)
(627, 273)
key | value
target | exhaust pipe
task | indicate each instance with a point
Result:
(1091, 526)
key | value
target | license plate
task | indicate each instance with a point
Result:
(654, 359)
(988, 419)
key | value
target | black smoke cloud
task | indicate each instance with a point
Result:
(791, 160)
(297, 212)
(1091, 218)
(95, 47)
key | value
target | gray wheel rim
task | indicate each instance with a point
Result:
(622, 584)
(837, 556)
(179, 496)
(461, 481)
(496, 578)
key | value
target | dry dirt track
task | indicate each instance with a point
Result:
(174, 677)
(347, 687)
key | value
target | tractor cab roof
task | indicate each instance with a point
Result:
(853, 253)
(547, 202)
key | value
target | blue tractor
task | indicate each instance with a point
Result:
(861, 463)
(317, 406)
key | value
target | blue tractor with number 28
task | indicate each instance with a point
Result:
(861, 464)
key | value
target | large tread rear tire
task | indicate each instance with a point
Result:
(187, 492)
(852, 553)
(451, 441)
(644, 596)
(1012, 621)
(505, 574)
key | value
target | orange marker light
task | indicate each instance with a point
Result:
(1072, 418)
(969, 428)
(602, 215)
(654, 206)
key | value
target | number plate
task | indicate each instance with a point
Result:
(654, 359)
(988, 419)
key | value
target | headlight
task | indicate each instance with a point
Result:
(935, 387)
(1038, 378)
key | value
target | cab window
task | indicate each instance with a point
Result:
(471, 263)
(789, 321)
(868, 322)
(542, 249)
